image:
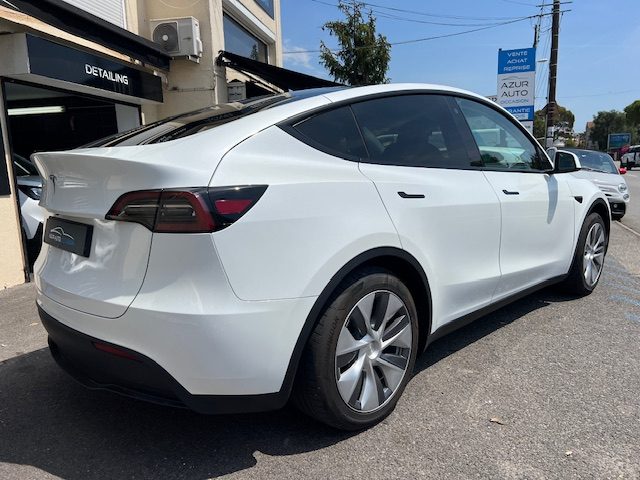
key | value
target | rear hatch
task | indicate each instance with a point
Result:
(79, 189)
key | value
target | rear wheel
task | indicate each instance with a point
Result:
(361, 353)
(588, 260)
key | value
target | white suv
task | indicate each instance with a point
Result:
(310, 243)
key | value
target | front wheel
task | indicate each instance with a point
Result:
(361, 353)
(588, 260)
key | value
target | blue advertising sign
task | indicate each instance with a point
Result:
(517, 61)
(618, 140)
(521, 113)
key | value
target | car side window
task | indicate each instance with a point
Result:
(334, 132)
(502, 145)
(411, 130)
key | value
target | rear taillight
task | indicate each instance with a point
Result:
(188, 210)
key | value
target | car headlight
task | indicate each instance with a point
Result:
(625, 197)
(622, 187)
(31, 192)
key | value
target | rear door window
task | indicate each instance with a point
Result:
(334, 132)
(412, 131)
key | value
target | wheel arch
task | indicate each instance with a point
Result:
(601, 207)
(394, 259)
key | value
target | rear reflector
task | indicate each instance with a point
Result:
(118, 352)
(189, 210)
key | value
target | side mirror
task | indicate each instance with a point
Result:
(566, 162)
(622, 170)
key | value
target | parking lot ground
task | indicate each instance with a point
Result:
(559, 377)
(632, 217)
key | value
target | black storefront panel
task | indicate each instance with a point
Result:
(4, 175)
(57, 61)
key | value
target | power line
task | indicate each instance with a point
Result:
(417, 40)
(601, 94)
(424, 39)
(393, 16)
(433, 15)
(380, 14)
(520, 3)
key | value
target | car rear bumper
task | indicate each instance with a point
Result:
(100, 365)
(234, 360)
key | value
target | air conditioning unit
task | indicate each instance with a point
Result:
(179, 37)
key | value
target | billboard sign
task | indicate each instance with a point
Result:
(516, 83)
(618, 140)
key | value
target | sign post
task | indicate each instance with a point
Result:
(516, 83)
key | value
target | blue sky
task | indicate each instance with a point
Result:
(599, 56)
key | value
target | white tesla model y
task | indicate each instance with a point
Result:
(306, 245)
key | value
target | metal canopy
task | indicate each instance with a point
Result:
(279, 77)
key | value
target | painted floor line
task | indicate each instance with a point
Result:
(628, 228)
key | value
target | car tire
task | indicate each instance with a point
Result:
(357, 389)
(617, 217)
(588, 260)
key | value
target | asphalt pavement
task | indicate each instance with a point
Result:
(632, 217)
(547, 387)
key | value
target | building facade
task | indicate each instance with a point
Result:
(73, 71)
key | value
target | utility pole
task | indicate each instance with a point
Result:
(553, 71)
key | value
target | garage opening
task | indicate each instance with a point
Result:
(45, 119)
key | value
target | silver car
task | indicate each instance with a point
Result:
(602, 171)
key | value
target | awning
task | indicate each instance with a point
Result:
(280, 77)
(71, 19)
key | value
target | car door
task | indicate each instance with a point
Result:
(537, 206)
(444, 209)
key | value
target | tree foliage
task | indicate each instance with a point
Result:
(632, 113)
(605, 123)
(562, 116)
(363, 58)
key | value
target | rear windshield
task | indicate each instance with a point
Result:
(596, 161)
(186, 124)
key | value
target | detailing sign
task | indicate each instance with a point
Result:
(53, 60)
(108, 74)
(516, 83)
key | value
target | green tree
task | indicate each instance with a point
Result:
(561, 116)
(605, 123)
(632, 113)
(363, 58)
(564, 115)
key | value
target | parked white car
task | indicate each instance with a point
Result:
(599, 168)
(310, 243)
(631, 158)
(32, 215)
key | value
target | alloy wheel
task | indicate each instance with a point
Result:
(594, 254)
(373, 351)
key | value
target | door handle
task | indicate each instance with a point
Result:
(410, 195)
(507, 192)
